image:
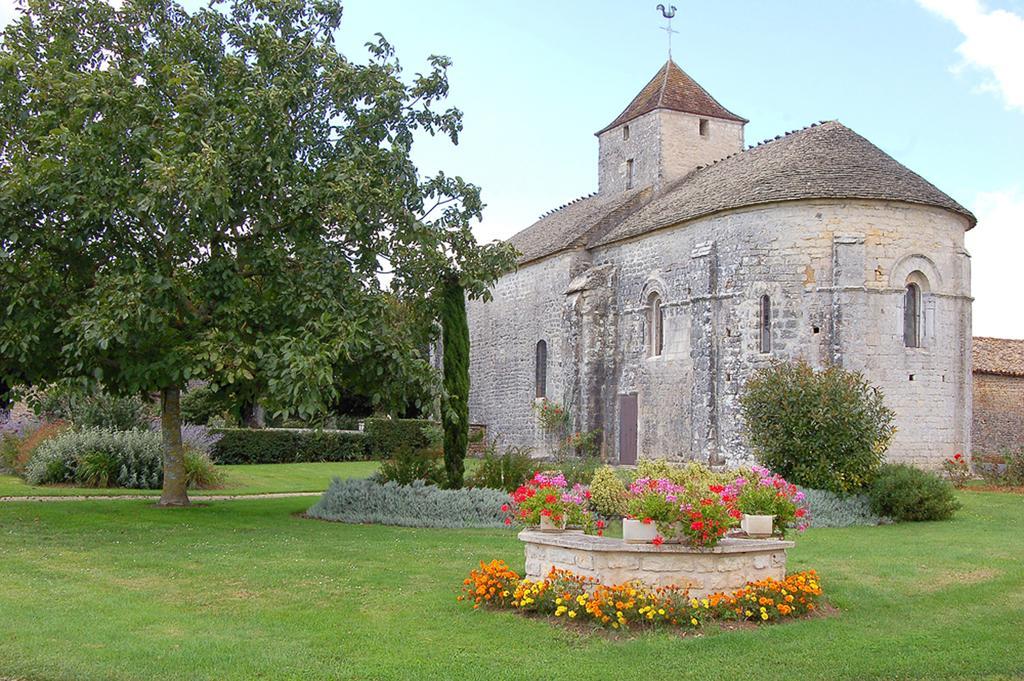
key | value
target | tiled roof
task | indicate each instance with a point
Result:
(671, 88)
(998, 356)
(824, 161)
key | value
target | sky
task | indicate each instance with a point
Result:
(937, 84)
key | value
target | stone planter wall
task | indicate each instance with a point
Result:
(729, 565)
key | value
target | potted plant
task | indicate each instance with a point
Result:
(769, 504)
(653, 511)
(758, 506)
(545, 503)
(706, 519)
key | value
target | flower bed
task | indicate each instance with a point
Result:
(563, 594)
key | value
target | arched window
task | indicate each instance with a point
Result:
(912, 316)
(541, 369)
(765, 325)
(655, 326)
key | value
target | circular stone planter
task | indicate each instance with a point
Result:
(724, 567)
(758, 526)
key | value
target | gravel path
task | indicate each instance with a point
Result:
(136, 497)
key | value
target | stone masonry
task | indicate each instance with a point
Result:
(821, 222)
(724, 567)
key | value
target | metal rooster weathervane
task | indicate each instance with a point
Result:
(668, 13)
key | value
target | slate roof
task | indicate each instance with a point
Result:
(826, 160)
(673, 89)
(1003, 356)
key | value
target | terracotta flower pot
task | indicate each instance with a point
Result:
(548, 525)
(758, 526)
(638, 532)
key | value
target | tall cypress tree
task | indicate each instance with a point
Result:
(455, 414)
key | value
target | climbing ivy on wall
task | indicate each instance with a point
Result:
(455, 416)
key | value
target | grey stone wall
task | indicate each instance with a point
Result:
(998, 414)
(835, 271)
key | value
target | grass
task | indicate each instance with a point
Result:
(246, 590)
(244, 479)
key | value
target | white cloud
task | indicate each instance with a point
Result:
(993, 43)
(996, 245)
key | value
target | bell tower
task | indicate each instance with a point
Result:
(669, 129)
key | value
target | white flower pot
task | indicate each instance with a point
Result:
(638, 532)
(548, 525)
(757, 526)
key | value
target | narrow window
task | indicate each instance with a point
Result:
(912, 316)
(625, 132)
(766, 325)
(655, 326)
(703, 127)
(629, 174)
(541, 369)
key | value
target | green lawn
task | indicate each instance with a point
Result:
(245, 589)
(249, 479)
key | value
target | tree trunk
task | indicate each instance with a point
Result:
(175, 491)
(252, 415)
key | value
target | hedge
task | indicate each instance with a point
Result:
(388, 436)
(381, 439)
(285, 445)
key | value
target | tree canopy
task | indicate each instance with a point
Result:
(214, 195)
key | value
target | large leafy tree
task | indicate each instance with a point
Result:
(214, 195)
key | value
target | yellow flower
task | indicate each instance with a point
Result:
(764, 615)
(572, 613)
(693, 621)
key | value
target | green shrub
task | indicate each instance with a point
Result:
(578, 470)
(94, 409)
(827, 509)
(409, 465)
(608, 493)
(1005, 470)
(278, 445)
(97, 469)
(200, 471)
(905, 493)
(202, 404)
(137, 454)
(388, 436)
(821, 429)
(415, 505)
(505, 471)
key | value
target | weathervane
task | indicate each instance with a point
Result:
(668, 13)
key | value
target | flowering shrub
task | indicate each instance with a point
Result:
(770, 494)
(552, 416)
(575, 597)
(707, 520)
(957, 470)
(548, 495)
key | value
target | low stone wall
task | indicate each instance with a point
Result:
(727, 566)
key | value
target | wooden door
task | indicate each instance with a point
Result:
(627, 429)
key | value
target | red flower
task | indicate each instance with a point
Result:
(697, 525)
(545, 511)
(706, 502)
(800, 512)
(508, 521)
(504, 507)
(958, 456)
(550, 499)
(717, 489)
(658, 540)
(600, 524)
(600, 533)
(646, 521)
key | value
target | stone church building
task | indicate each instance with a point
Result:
(644, 307)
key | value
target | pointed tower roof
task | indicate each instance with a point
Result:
(671, 88)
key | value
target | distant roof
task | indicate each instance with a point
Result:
(1003, 356)
(826, 160)
(671, 88)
